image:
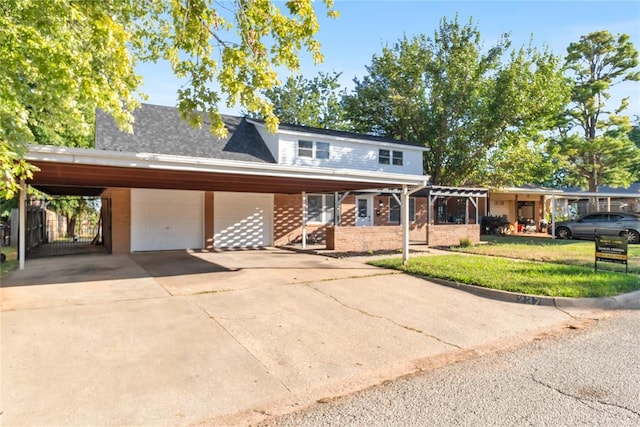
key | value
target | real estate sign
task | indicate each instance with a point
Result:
(611, 249)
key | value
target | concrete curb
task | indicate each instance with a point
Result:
(629, 301)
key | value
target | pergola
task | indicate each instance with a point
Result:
(471, 196)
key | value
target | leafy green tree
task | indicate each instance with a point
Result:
(600, 153)
(312, 102)
(463, 102)
(60, 60)
(75, 209)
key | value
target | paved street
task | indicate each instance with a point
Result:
(584, 376)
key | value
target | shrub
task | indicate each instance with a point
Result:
(466, 242)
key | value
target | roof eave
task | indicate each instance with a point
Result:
(364, 140)
(199, 164)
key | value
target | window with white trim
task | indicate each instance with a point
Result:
(394, 210)
(322, 150)
(305, 148)
(397, 158)
(320, 208)
(384, 157)
(314, 150)
(390, 157)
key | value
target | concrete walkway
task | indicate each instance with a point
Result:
(229, 338)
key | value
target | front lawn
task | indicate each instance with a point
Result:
(533, 278)
(572, 252)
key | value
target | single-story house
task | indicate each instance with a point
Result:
(543, 206)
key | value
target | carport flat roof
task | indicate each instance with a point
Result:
(569, 194)
(79, 171)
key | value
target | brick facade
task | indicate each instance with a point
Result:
(450, 234)
(120, 219)
(363, 239)
(287, 221)
(417, 227)
(287, 225)
(208, 220)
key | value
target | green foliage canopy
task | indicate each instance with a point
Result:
(465, 103)
(312, 102)
(634, 136)
(602, 153)
(60, 60)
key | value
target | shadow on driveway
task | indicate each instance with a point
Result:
(100, 267)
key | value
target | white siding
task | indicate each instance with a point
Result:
(350, 155)
(166, 219)
(242, 220)
(270, 140)
(346, 153)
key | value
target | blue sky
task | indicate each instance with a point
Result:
(365, 26)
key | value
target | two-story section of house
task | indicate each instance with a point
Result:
(323, 183)
(338, 150)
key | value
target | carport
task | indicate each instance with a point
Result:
(76, 171)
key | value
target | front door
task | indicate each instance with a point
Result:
(364, 205)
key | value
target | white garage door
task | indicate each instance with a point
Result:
(166, 219)
(242, 220)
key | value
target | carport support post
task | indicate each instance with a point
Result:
(404, 211)
(304, 220)
(22, 237)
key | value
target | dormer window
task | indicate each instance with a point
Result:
(314, 150)
(305, 149)
(383, 157)
(387, 157)
(322, 150)
(397, 158)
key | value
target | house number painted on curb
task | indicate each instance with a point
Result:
(526, 299)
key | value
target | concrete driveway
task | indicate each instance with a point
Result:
(227, 338)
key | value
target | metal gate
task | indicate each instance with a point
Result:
(67, 226)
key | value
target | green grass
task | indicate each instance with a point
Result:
(532, 278)
(12, 260)
(571, 252)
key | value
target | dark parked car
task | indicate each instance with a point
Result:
(601, 223)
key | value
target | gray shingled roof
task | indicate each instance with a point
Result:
(161, 130)
(627, 191)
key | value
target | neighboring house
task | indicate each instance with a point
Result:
(535, 203)
(610, 199)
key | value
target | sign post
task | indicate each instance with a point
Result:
(611, 249)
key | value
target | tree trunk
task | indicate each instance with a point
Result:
(593, 188)
(71, 226)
